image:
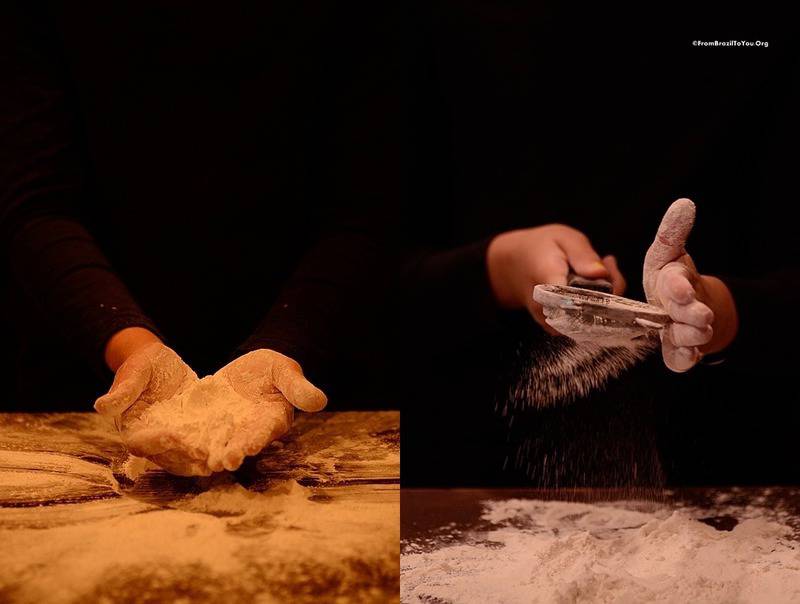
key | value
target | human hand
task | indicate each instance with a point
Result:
(151, 374)
(273, 384)
(701, 306)
(519, 260)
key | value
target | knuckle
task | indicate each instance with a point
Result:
(565, 230)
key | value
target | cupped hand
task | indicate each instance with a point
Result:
(519, 260)
(150, 376)
(274, 384)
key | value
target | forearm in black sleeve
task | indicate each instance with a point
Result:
(323, 309)
(449, 294)
(49, 257)
(768, 330)
(324, 313)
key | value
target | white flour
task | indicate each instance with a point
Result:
(33, 477)
(227, 544)
(544, 552)
(562, 370)
(202, 414)
(212, 422)
(70, 533)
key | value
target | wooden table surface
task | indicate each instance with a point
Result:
(323, 524)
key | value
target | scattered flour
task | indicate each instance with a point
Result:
(133, 467)
(287, 544)
(543, 552)
(71, 533)
(34, 477)
(234, 499)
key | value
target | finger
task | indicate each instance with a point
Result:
(130, 381)
(618, 283)
(672, 234)
(219, 439)
(289, 379)
(214, 460)
(275, 420)
(147, 442)
(176, 463)
(678, 358)
(540, 315)
(581, 255)
(271, 422)
(232, 456)
(158, 440)
(682, 334)
(673, 283)
(553, 265)
(554, 272)
(695, 313)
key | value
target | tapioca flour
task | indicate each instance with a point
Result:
(545, 552)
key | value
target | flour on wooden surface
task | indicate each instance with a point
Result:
(227, 544)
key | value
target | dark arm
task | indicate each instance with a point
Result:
(325, 313)
(49, 256)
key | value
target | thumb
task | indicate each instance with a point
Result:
(671, 237)
(288, 377)
(130, 381)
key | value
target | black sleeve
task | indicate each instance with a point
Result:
(48, 254)
(768, 330)
(450, 294)
(328, 307)
(318, 312)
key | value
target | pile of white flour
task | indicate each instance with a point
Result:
(214, 425)
(542, 552)
(203, 413)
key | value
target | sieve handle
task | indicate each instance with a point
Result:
(597, 285)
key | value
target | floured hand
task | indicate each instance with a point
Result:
(193, 427)
(208, 427)
(519, 260)
(700, 306)
(149, 377)
(271, 383)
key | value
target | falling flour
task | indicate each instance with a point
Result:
(542, 552)
(558, 371)
(562, 370)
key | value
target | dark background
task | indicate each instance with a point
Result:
(207, 150)
(211, 139)
(530, 114)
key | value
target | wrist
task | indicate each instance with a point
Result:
(126, 342)
(726, 319)
(499, 257)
